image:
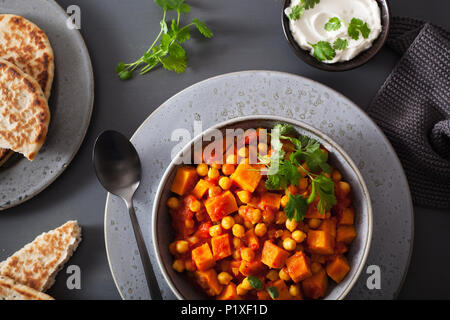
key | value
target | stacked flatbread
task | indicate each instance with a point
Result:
(32, 270)
(26, 77)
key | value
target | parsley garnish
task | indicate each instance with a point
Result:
(297, 12)
(323, 50)
(357, 26)
(340, 44)
(273, 292)
(255, 282)
(296, 207)
(169, 53)
(324, 188)
(309, 4)
(333, 24)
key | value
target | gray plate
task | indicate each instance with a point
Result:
(70, 104)
(263, 92)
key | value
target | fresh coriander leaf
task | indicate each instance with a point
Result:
(273, 292)
(318, 160)
(357, 26)
(177, 50)
(296, 207)
(185, 8)
(323, 51)
(203, 28)
(340, 44)
(324, 188)
(297, 12)
(273, 182)
(333, 24)
(255, 282)
(183, 35)
(150, 59)
(286, 174)
(172, 63)
(283, 128)
(166, 40)
(125, 74)
(120, 67)
(309, 4)
(169, 4)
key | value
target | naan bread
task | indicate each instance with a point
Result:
(11, 290)
(37, 264)
(27, 46)
(24, 112)
(5, 154)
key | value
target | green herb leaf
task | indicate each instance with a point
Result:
(357, 26)
(309, 4)
(185, 8)
(120, 67)
(333, 24)
(177, 50)
(324, 188)
(183, 35)
(318, 160)
(273, 292)
(296, 207)
(323, 51)
(173, 63)
(255, 282)
(203, 28)
(169, 4)
(340, 44)
(125, 74)
(297, 12)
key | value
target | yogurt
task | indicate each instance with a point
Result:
(310, 27)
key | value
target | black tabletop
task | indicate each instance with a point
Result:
(248, 35)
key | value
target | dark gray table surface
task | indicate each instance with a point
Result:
(248, 35)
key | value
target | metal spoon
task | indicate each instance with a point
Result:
(118, 168)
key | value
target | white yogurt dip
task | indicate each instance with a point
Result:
(310, 27)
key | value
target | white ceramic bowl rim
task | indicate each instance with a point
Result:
(297, 123)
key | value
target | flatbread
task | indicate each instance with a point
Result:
(24, 112)
(11, 290)
(27, 46)
(5, 154)
(37, 264)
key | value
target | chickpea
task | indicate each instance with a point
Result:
(289, 244)
(225, 183)
(314, 223)
(247, 254)
(202, 169)
(291, 224)
(215, 231)
(316, 267)
(173, 203)
(294, 290)
(216, 165)
(237, 255)
(224, 278)
(248, 224)
(244, 196)
(178, 265)
(240, 290)
(256, 216)
(213, 173)
(284, 201)
(228, 169)
(189, 223)
(193, 240)
(298, 236)
(303, 184)
(243, 152)
(284, 275)
(260, 229)
(182, 246)
(281, 218)
(195, 206)
(227, 222)
(344, 187)
(214, 191)
(189, 265)
(268, 216)
(262, 148)
(237, 243)
(231, 159)
(336, 176)
(272, 275)
(278, 233)
(246, 284)
(238, 231)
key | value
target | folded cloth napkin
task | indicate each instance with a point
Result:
(413, 108)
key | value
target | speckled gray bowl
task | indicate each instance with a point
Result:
(163, 234)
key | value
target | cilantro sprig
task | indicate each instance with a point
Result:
(323, 50)
(357, 26)
(255, 282)
(169, 51)
(298, 10)
(340, 44)
(333, 24)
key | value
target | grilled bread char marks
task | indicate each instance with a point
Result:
(37, 264)
(24, 112)
(12, 290)
(27, 46)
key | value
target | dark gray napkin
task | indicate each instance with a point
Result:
(413, 108)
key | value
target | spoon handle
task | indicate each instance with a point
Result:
(152, 283)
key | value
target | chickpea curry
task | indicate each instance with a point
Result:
(275, 229)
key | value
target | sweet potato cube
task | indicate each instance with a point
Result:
(252, 240)
(329, 226)
(283, 291)
(221, 246)
(270, 200)
(184, 181)
(221, 205)
(346, 216)
(201, 188)
(298, 267)
(246, 176)
(229, 293)
(203, 257)
(345, 234)
(251, 268)
(273, 256)
(338, 268)
(320, 242)
(315, 286)
(208, 281)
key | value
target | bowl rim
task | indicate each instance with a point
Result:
(301, 124)
(338, 66)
